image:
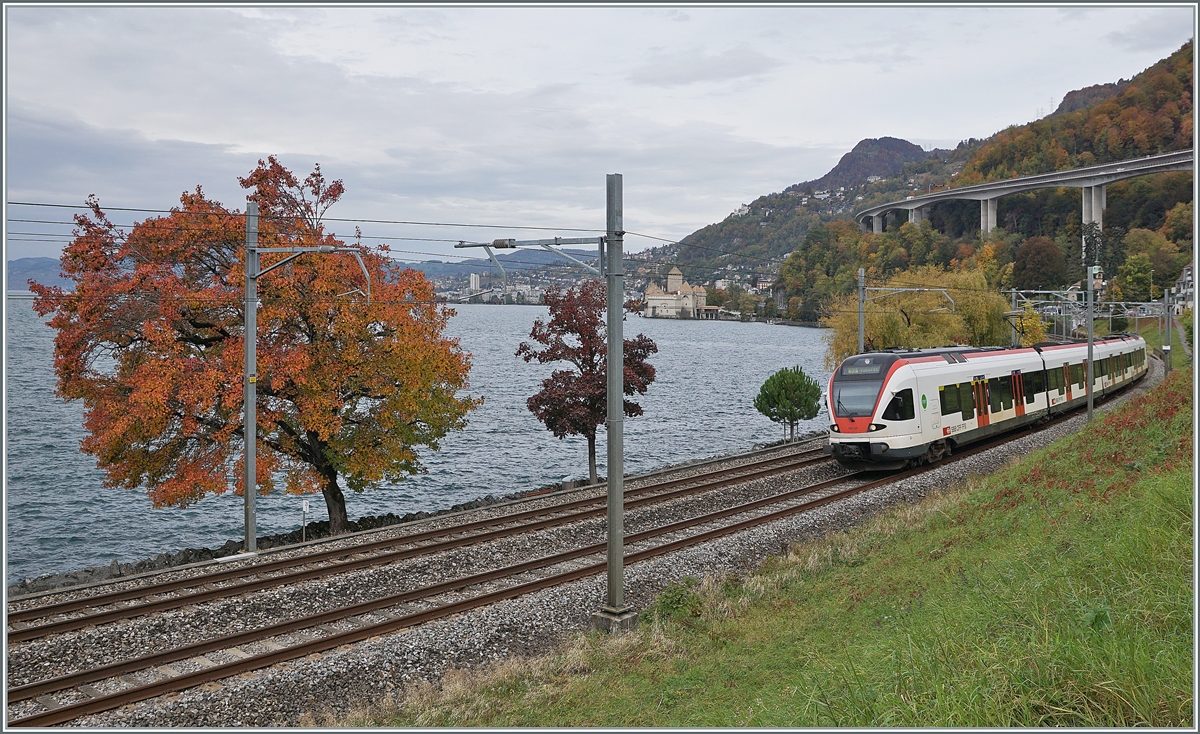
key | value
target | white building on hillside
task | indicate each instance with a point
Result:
(679, 300)
(1184, 294)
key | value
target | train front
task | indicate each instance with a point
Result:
(872, 402)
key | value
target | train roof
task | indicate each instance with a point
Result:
(967, 349)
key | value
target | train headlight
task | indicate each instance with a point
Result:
(876, 427)
(835, 429)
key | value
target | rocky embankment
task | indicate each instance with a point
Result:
(313, 531)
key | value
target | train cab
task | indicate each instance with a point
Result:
(873, 403)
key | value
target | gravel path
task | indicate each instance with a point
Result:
(1183, 340)
(355, 674)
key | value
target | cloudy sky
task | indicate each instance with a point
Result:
(512, 116)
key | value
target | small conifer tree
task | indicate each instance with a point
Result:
(788, 397)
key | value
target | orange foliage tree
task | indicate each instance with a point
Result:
(152, 340)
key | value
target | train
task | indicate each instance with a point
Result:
(895, 408)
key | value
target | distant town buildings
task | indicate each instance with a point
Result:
(679, 300)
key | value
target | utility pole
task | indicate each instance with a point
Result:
(862, 304)
(1091, 373)
(250, 419)
(1166, 333)
(1013, 324)
(615, 615)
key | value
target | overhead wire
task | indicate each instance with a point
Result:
(403, 222)
(360, 237)
(324, 219)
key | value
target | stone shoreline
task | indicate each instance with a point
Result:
(314, 531)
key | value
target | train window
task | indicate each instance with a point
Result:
(902, 407)
(948, 397)
(1054, 379)
(1034, 384)
(966, 400)
(1000, 390)
(1077, 374)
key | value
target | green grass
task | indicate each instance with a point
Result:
(1153, 335)
(1056, 592)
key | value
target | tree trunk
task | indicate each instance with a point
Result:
(335, 504)
(592, 458)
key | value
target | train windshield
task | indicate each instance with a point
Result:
(855, 399)
(857, 384)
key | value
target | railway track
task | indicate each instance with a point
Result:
(113, 606)
(353, 623)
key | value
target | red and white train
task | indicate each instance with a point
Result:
(899, 407)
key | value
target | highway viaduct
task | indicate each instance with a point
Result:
(1092, 180)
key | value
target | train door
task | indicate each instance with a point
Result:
(1018, 391)
(1067, 380)
(979, 388)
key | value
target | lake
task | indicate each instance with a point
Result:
(60, 516)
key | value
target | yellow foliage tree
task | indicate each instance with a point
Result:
(1031, 327)
(915, 319)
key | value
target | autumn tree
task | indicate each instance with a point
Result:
(1030, 326)
(788, 397)
(1039, 264)
(1177, 225)
(151, 339)
(574, 402)
(919, 318)
(1134, 279)
(1164, 256)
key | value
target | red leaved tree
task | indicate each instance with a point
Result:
(152, 340)
(575, 402)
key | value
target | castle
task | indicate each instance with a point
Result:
(680, 300)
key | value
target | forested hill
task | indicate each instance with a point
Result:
(756, 238)
(882, 157)
(1089, 96)
(1152, 113)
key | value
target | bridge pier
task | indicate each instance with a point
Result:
(877, 222)
(1095, 200)
(987, 215)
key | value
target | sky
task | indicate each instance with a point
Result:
(512, 116)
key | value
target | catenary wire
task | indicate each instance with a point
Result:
(324, 219)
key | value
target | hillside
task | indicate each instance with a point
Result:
(878, 157)
(1088, 96)
(44, 270)
(1152, 113)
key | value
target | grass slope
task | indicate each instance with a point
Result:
(1056, 592)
